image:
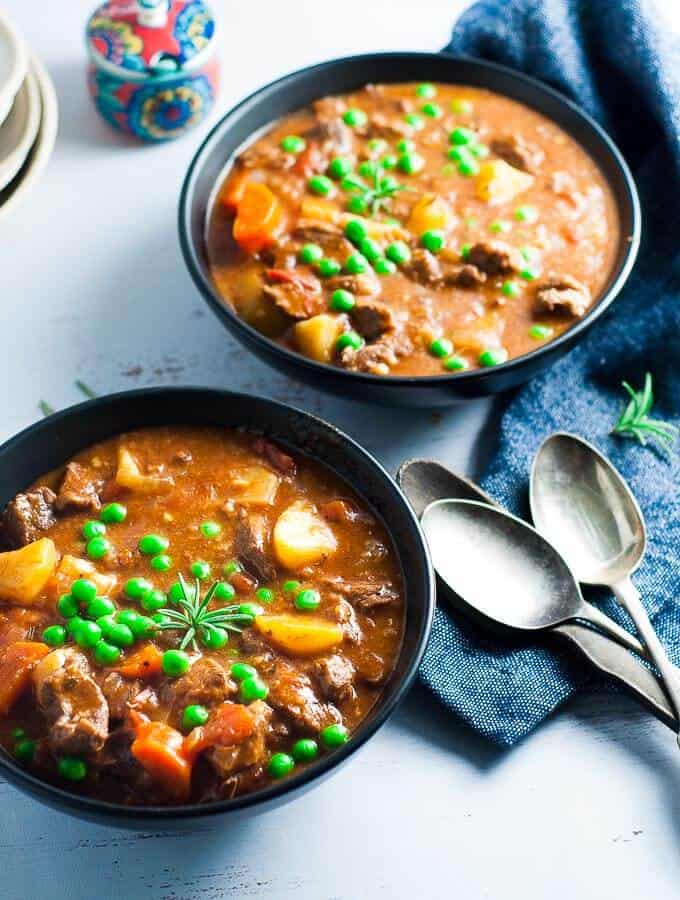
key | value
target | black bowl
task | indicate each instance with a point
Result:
(338, 76)
(54, 440)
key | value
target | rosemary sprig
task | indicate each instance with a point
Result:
(196, 620)
(45, 408)
(85, 389)
(377, 195)
(636, 423)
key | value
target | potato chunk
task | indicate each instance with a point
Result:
(300, 635)
(302, 537)
(129, 475)
(431, 212)
(71, 568)
(498, 182)
(316, 337)
(254, 486)
(25, 572)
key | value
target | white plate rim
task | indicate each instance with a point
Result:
(9, 88)
(14, 160)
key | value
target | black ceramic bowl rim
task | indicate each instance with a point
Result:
(617, 279)
(30, 442)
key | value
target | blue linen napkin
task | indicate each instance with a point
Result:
(621, 65)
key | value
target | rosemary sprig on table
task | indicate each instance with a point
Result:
(376, 196)
(196, 620)
(636, 423)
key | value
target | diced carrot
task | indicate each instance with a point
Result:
(258, 219)
(15, 670)
(229, 724)
(232, 193)
(158, 748)
(143, 663)
(243, 583)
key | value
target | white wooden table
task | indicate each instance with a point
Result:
(92, 286)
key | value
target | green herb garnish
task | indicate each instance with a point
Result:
(197, 621)
(85, 389)
(45, 408)
(635, 421)
(376, 196)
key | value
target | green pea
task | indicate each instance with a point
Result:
(213, 637)
(384, 267)
(414, 120)
(355, 264)
(339, 167)
(431, 110)
(113, 513)
(465, 251)
(224, 591)
(106, 654)
(250, 609)
(140, 626)
(200, 569)
(153, 601)
(253, 688)
(388, 183)
(342, 301)
(455, 364)
(410, 163)
(405, 145)
(479, 151)
(389, 161)
(398, 252)
(355, 231)
(264, 594)
(357, 205)
(311, 253)
(160, 618)
(119, 634)
(493, 357)
(241, 670)
(73, 623)
(529, 273)
(320, 185)
(92, 529)
(370, 249)
(355, 118)
(526, 214)
(83, 590)
(175, 663)
(468, 168)
(54, 635)
(210, 530)
(433, 240)
(369, 168)
(499, 226)
(136, 588)
(461, 136)
(194, 715)
(510, 289)
(441, 347)
(377, 145)
(334, 736)
(461, 107)
(87, 634)
(293, 143)
(307, 600)
(71, 768)
(67, 606)
(328, 267)
(151, 544)
(540, 332)
(459, 154)
(25, 749)
(349, 339)
(290, 586)
(17, 733)
(100, 606)
(161, 562)
(280, 765)
(97, 548)
(426, 91)
(305, 750)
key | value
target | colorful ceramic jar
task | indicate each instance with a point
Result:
(153, 70)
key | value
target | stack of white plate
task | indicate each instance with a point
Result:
(28, 117)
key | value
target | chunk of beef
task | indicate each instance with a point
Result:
(74, 707)
(328, 108)
(364, 285)
(27, 517)
(291, 692)
(335, 677)
(494, 258)
(377, 358)
(372, 319)
(296, 295)
(329, 237)
(80, 489)
(118, 768)
(332, 137)
(363, 594)
(251, 752)
(280, 255)
(259, 157)
(370, 667)
(207, 682)
(276, 457)
(251, 541)
(347, 618)
(562, 293)
(424, 267)
(254, 646)
(391, 126)
(339, 511)
(123, 693)
(464, 275)
(517, 152)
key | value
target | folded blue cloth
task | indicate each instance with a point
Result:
(620, 64)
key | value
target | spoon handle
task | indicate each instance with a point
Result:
(602, 621)
(612, 659)
(627, 595)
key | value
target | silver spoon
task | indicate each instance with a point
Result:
(583, 503)
(424, 481)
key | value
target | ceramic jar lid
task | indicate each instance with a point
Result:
(137, 39)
